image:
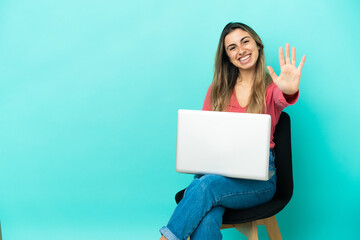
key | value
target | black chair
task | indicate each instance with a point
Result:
(247, 220)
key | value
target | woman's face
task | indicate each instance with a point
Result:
(241, 49)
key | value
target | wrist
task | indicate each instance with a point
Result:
(287, 95)
(290, 93)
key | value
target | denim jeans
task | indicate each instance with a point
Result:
(199, 213)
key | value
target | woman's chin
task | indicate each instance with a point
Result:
(246, 67)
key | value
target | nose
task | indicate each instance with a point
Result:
(241, 51)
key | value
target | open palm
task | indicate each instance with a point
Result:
(289, 79)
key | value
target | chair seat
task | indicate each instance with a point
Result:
(237, 216)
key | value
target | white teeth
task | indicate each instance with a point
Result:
(244, 58)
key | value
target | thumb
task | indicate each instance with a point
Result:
(272, 73)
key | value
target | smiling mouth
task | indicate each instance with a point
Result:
(244, 59)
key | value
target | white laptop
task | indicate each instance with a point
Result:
(229, 144)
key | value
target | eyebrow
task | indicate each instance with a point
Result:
(240, 41)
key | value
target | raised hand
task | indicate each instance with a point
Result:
(289, 79)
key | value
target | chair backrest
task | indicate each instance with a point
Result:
(283, 158)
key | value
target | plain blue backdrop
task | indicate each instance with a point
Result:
(88, 107)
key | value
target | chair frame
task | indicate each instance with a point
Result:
(250, 231)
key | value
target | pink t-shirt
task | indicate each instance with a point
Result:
(276, 101)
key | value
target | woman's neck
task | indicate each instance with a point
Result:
(245, 78)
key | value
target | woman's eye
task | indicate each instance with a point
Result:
(232, 48)
(246, 41)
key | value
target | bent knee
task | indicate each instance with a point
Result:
(211, 180)
(211, 183)
(207, 187)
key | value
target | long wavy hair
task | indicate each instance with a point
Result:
(226, 74)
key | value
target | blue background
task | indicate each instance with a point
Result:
(88, 106)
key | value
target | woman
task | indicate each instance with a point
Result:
(240, 84)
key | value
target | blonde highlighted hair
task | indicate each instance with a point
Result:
(226, 74)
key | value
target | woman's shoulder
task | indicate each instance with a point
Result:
(208, 92)
(207, 101)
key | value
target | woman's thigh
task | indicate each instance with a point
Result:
(238, 193)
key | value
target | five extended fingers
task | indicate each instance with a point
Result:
(283, 61)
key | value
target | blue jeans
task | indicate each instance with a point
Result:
(199, 214)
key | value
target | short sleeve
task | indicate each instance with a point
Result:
(207, 102)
